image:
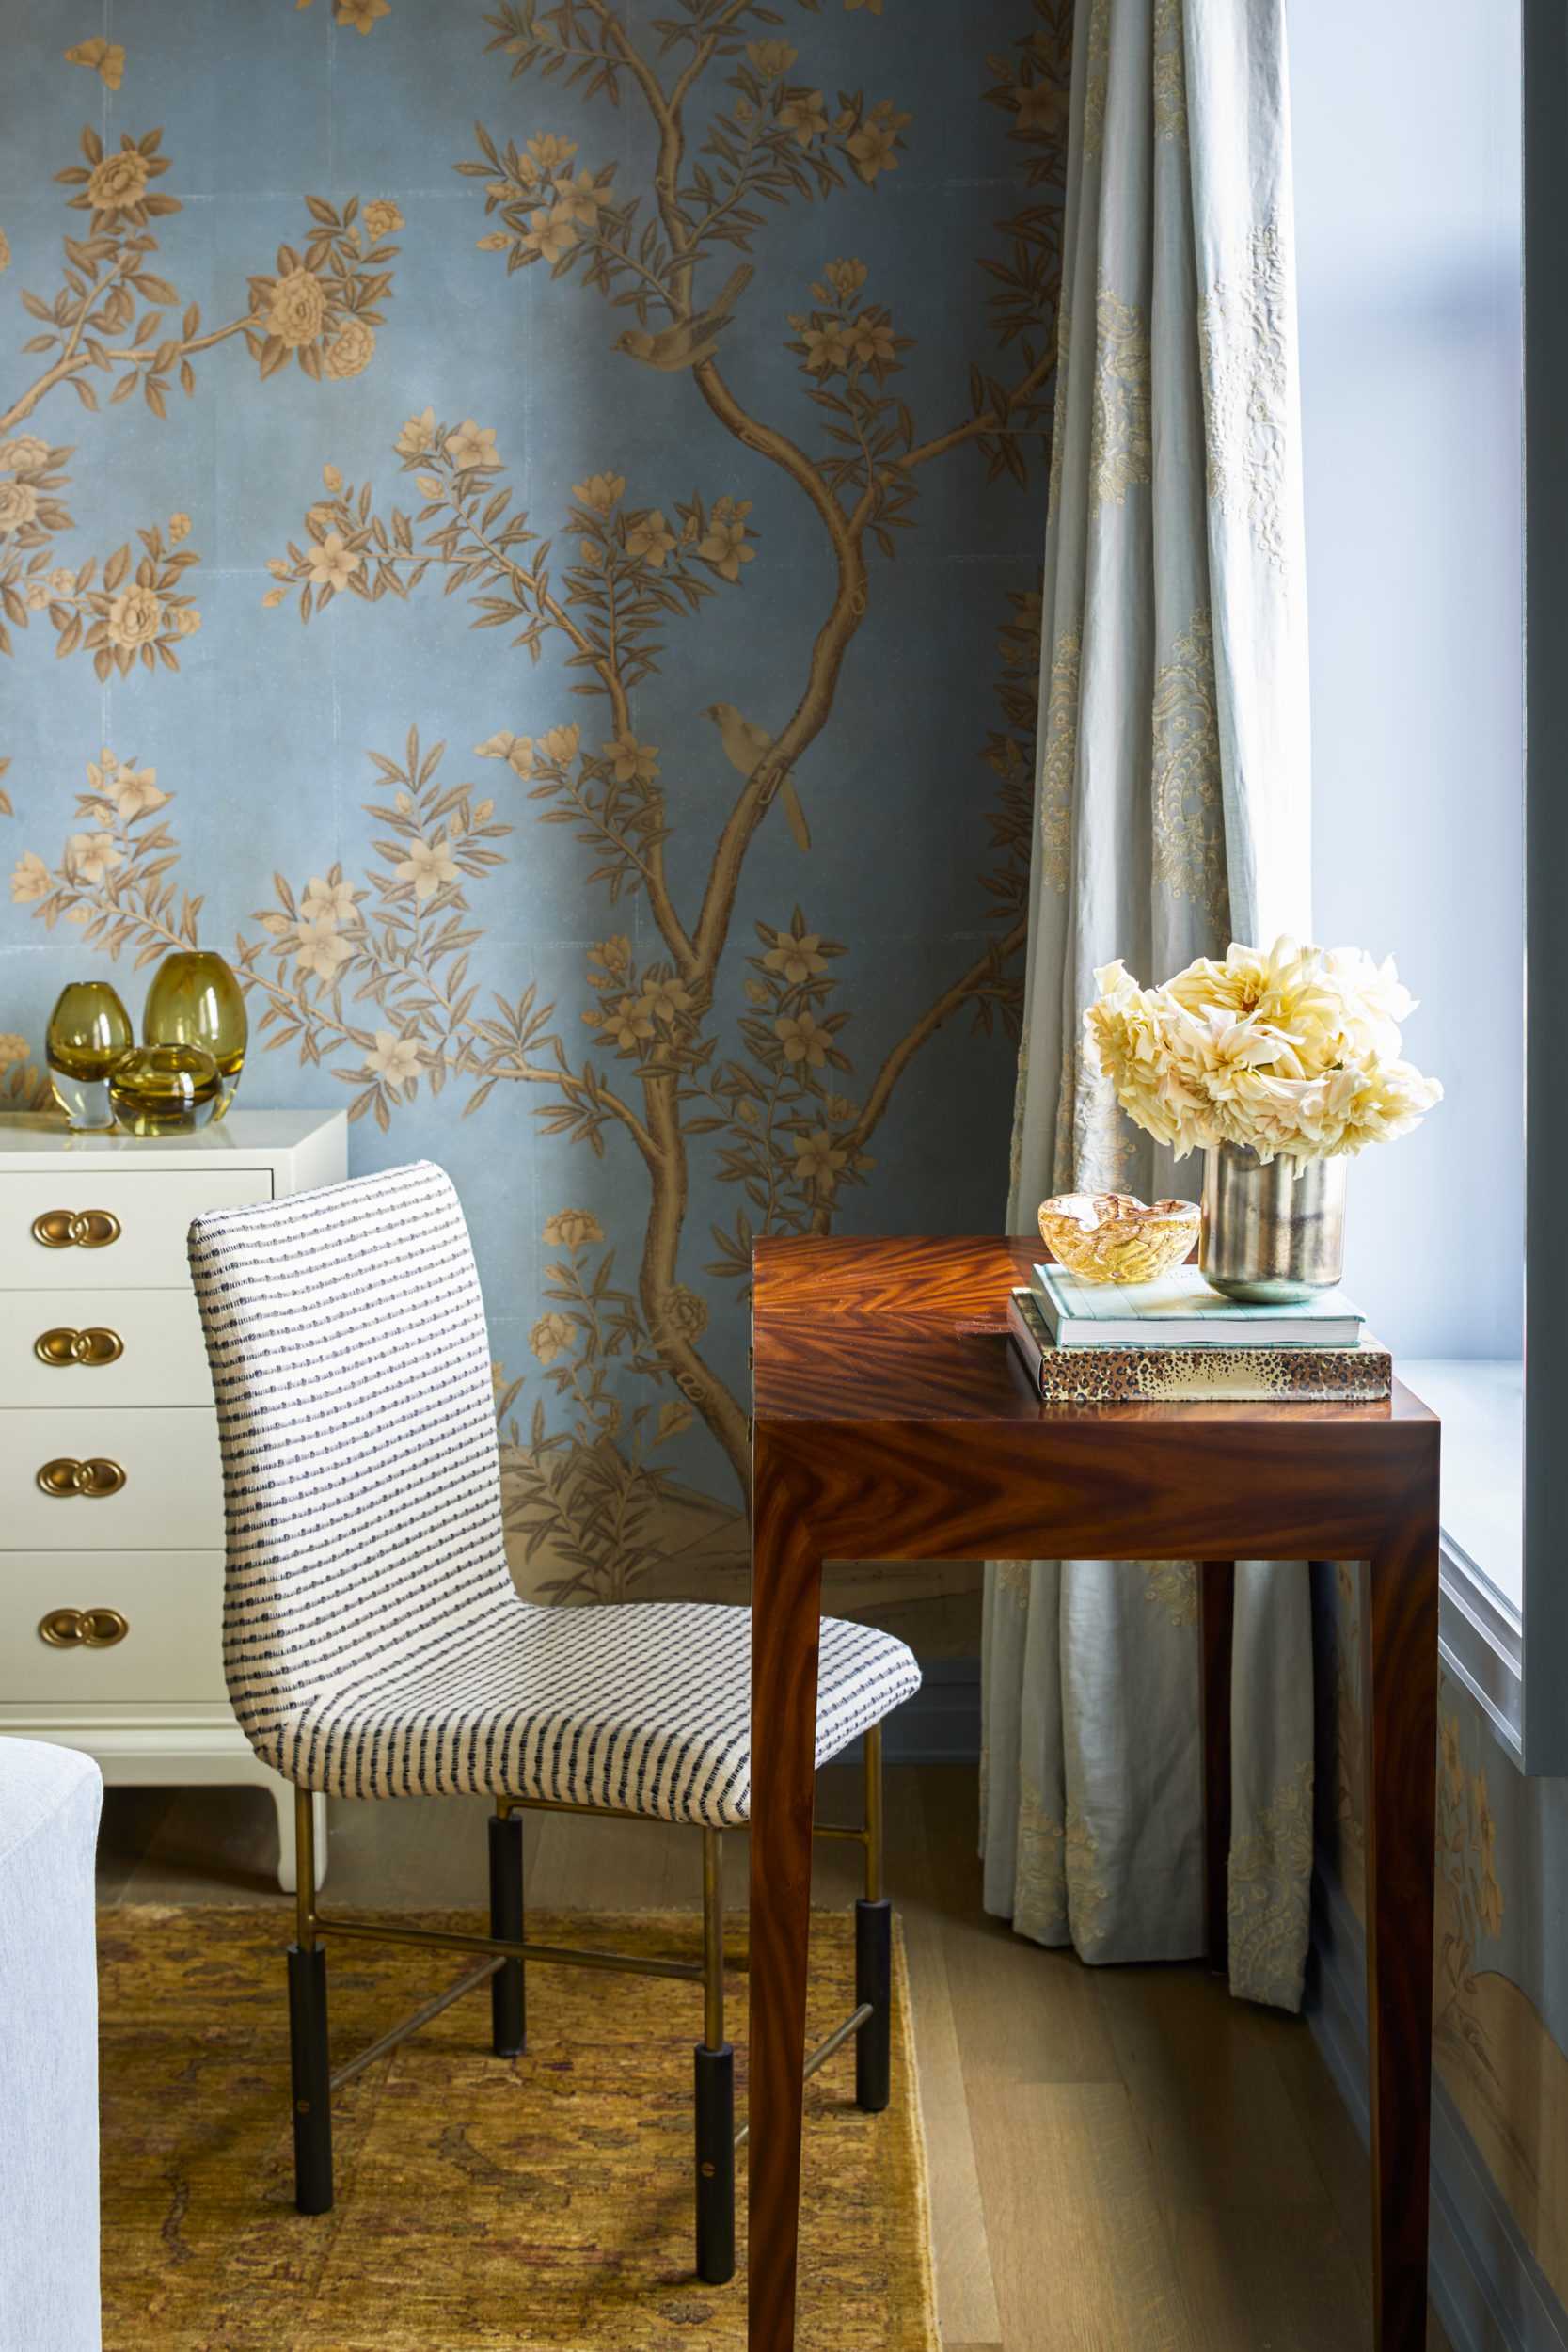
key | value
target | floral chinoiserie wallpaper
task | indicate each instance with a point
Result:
(521, 528)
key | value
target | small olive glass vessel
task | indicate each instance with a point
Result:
(88, 1030)
(164, 1090)
(196, 1000)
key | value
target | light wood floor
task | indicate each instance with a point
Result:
(1121, 2159)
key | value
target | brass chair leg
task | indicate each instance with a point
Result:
(715, 2087)
(309, 2064)
(874, 1948)
(508, 1993)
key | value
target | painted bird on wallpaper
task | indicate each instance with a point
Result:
(688, 341)
(745, 745)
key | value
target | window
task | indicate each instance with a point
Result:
(1412, 205)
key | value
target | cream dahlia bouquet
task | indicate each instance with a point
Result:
(1293, 1052)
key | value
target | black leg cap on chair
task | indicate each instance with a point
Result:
(715, 2087)
(508, 1996)
(311, 2073)
(874, 1983)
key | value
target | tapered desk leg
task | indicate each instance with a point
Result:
(1401, 1806)
(1218, 1588)
(786, 1595)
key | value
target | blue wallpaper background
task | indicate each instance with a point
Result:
(388, 943)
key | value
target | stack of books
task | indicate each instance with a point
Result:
(1176, 1341)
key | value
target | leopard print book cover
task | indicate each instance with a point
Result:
(1176, 1375)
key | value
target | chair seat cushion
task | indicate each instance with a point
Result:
(644, 1707)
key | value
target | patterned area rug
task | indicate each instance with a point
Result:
(541, 2202)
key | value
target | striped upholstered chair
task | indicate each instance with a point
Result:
(375, 1647)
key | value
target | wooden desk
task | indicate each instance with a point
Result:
(893, 1422)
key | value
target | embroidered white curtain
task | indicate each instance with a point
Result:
(1171, 814)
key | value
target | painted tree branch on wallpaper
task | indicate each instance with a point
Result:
(773, 1106)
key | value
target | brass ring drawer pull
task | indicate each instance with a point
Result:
(76, 1229)
(82, 1629)
(97, 1344)
(94, 1477)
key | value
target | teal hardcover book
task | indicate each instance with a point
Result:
(1181, 1311)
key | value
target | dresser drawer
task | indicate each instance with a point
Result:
(158, 1468)
(77, 1348)
(130, 1228)
(170, 1604)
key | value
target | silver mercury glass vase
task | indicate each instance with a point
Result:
(1271, 1234)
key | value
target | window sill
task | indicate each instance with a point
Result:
(1480, 1403)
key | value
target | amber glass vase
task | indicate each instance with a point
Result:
(164, 1090)
(88, 1030)
(196, 1000)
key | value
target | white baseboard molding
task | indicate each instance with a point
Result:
(1486, 2285)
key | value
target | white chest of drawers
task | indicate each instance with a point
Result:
(111, 1496)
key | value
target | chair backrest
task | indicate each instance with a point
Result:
(351, 1369)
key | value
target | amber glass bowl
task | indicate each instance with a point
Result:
(164, 1090)
(196, 1000)
(1114, 1237)
(88, 1030)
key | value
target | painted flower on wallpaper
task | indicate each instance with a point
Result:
(115, 185)
(417, 436)
(803, 1038)
(296, 308)
(874, 145)
(550, 1337)
(320, 951)
(573, 1229)
(772, 57)
(91, 857)
(472, 447)
(601, 491)
(133, 790)
(331, 564)
(330, 901)
(650, 539)
(724, 544)
(631, 762)
(395, 1061)
(803, 115)
(430, 866)
(320, 307)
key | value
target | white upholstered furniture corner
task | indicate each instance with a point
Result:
(130, 1578)
(49, 1799)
